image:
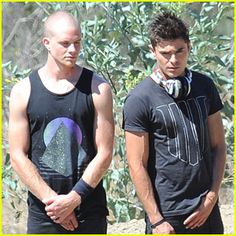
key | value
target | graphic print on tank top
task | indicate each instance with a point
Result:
(184, 125)
(63, 153)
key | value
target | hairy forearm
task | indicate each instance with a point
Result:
(97, 169)
(59, 207)
(145, 193)
(29, 175)
(218, 172)
(218, 150)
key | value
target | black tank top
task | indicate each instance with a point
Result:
(62, 143)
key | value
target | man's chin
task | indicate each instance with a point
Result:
(174, 74)
(70, 64)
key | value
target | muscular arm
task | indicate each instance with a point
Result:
(103, 138)
(103, 134)
(218, 149)
(19, 140)
(137, 145)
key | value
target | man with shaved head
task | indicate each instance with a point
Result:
(61, 132)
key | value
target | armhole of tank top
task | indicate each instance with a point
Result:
(91, 75)
(31, 85)
(91, 94)
(88, 74)
(83, 81)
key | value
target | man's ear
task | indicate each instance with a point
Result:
(46, 43)
(189, 47)
(151, 48)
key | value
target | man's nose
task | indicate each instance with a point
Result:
(173, 58)
(72, 47)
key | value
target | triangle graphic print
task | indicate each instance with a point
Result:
(59, 150)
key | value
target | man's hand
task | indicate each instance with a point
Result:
(61, 206)
(70, 222)
(199, 217)
(164, 228)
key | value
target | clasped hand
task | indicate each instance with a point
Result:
(60, 209)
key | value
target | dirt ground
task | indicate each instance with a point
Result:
(138, 226)
(227, 213)
(10, 226)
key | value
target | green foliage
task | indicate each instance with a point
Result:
(7, 177)
(115, 45)
(214, 57)
(14, 75)
(12, 191)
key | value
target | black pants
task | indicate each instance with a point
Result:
(213, 224)
(41, 224)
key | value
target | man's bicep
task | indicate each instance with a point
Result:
(137, 147)
(18, 123)
(216, 130)
(104, 122)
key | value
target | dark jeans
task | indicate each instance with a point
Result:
(213, 224)
(41, 224)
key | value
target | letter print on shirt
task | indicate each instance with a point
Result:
(184, 125)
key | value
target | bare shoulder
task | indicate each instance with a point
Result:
(100, 86)
(102, 94)
(20, 92)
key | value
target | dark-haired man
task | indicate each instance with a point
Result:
(175, 138)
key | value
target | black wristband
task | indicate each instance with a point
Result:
(158, 223)
(83, 189)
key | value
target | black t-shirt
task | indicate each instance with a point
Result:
(180, 158)
(62, 140)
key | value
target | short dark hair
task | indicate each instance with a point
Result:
(167, 26)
